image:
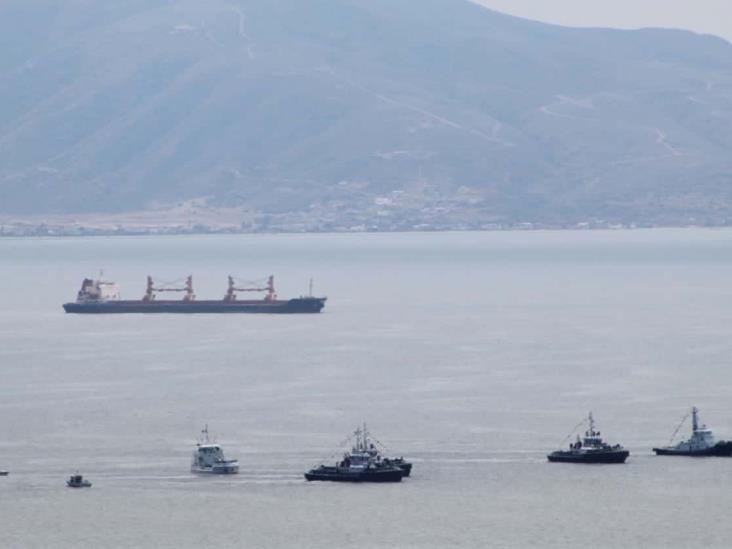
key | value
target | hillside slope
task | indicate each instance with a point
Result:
(415, 110)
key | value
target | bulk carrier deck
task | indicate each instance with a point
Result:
(102, 297)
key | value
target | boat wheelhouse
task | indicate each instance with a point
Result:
(208, 458)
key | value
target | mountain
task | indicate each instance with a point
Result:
(414, 112)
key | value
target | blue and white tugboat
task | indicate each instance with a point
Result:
(701, 443)
(590, 449)
(208, 458)
(362, 464)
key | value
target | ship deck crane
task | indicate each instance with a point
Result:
(151, 290)
(271, 295)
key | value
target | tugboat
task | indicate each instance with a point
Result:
(701, 443)
(362, 464)
(208, 458)
(365, 442)
(78, 481)
(590, 449)
(400, 462)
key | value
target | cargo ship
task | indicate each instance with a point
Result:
(103, 297)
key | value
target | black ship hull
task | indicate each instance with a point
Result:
(302, 305)
(337, 474)
(721, 449)
(615, 456)
(405, 466)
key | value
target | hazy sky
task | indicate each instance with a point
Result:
(707, 16)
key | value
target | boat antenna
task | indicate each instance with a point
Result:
(683, 420)
(378, 442)
(338, 449)
(357, 437)
(574, 430)
(310, 288)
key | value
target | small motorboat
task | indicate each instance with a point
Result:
(78, 481)
(3, 473)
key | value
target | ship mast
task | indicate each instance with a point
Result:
(204, 435)
(230, 295)
(149, 290)
(190, 296)
(271, 295)
(592, 425)
(694, 420)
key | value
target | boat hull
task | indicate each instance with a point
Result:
(721, 449)
(616, 456)
(405, 466)
(229, 470)
(334, 474)
(301, 305)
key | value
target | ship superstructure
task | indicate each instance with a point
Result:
(97, 291)
(103, 297)
(365, 443)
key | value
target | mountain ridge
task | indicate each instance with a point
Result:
(354, 111)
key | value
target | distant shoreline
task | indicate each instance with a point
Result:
(44, 231)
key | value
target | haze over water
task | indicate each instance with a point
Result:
(473, 354)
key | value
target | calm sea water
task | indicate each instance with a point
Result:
(471, 353)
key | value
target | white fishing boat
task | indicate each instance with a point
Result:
(208, 458)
